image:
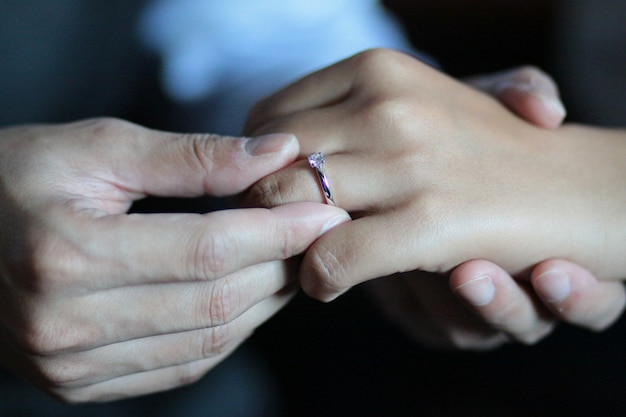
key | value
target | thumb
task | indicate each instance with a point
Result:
(188, 165)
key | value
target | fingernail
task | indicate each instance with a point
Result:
(553, 285)
(267, 144)
(519, 85)
(335, 221)
(552, 103)
(478, 292)
(539, 90)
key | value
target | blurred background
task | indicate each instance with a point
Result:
(313, 359)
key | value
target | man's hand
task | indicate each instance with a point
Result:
(97, 304)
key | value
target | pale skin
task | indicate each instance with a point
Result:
(436, 175)
(97, 304)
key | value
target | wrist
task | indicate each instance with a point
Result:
(596, 161)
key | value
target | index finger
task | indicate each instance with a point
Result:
(318, 89)
(137, 249)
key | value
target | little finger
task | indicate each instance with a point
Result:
(502, 302)
(575, 296)
(92, 367)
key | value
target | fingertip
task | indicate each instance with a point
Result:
(325, 216)
(192, 165)
(475, 282)
(478, 291)
(470, 270)
(500, 301)
(322, 275)
(552, 286)
(533, 106)
(555, 280)
(576, 296)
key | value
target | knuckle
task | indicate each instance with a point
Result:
(218, 305)
(216, 341)
(201, 151)
(37, 339)
(326, 276)
(288, 244)
(378, 60)
(210, 254)
(63, 373)
(50, 263)
(54, 335)
(391, 113)
(267, 192)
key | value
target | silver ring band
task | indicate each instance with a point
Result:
(316, 161)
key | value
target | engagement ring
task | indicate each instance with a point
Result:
(316, 160)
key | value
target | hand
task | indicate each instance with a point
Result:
(558, 289)
(464, 177)
(97, 304)
(565, 290)
(506, 309)
(423, 305)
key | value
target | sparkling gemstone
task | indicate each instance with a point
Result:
(316, 160)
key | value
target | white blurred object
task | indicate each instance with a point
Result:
(213, 45)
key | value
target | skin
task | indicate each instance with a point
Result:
(98, 304)
(468, 179)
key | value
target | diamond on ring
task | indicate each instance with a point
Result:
(317, 161)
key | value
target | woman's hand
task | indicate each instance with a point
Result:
(507, 309)
(433, 171)
(97, 304)
(433, 311)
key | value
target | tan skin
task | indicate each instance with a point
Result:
(410, 149)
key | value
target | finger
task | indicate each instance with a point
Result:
(456, 328)
(574, 295)
(356, 186)
(134, 385)
(334, 263)
(149, 162)
(299, 182)
(332, 85)
(75, 370)
(154, 248)
(500, 301)
(528, 92)
(316, 90)
(147, 310)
